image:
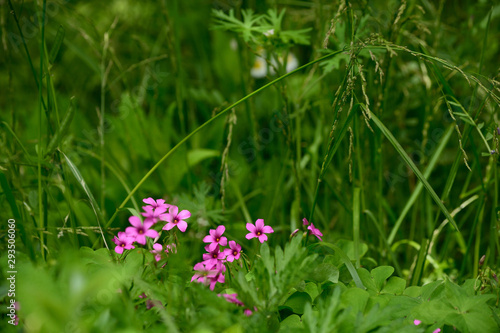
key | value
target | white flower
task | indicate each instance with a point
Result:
(291, 63)
(269, 33)
(259, 68)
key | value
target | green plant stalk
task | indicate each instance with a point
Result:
(355, 224)
(41, 214)
(102, 114)
(208, 122)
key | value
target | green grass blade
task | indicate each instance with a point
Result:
(93, 202)
(420, 176)
(61, 130)
(355, 224)
(418, 189)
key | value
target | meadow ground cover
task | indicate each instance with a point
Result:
(249, 166)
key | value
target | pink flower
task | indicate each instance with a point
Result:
(417, 322)
(212, 257)
(157, 251)
(215, 238)
(232, 298)
(175, 219)
(233, 253)
(172, 248)
(140, 231)
(156, 203)
(204, 272)
(315, 231)
(437, 330)
(305, 221)
(221, 268)
(153, 215)
(259, 230)
(249, 312)
(294, 233)
(123, 242)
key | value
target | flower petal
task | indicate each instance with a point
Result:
(262, 238)
(135, 221)
(250, 235)
(220, 230)
(168, 226)
(259, 224)
(250, 227)
(267, 229)
(185, 214)
(182, 225)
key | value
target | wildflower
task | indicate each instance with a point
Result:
(259, 68)
(174, 218)
(153, 214)
(269, 33)
(291, 63)
(232, 298)
(249, 312)
(294, 233)
(156, 203)
(219, 277)
(123, 242)
(259, 230)
(212, 257)
(172, 248)
(437, 330)
(305, 221)
(140, 231)
(204, 272)
(215, 238)
(315, 231)
(417, 322)
(157, 248)
(233, 253)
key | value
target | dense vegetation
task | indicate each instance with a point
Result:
(241, 166)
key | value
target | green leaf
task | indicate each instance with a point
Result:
(195, 156)
(325, 272)
(380, 274)
(355, 298)
(291, 324)
(395, 285)
(297, 301)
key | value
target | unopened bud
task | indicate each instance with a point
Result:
(481, 261)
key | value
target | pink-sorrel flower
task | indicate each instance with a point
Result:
(140, 231)
(123, 242)
(417, 322)
(259, 230)
(305, 221)
(157, 248)
(437, 330)
(233, 253)
(249, 312)
(203, 272)
(172, 248)
(215, 238)
(233, 298)
(153, 214)
(212, 257)
(156, 203)
(176, 219)
(315, 231)
(221, 268)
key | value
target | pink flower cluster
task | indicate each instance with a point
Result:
(211, 269)
(154, 211)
